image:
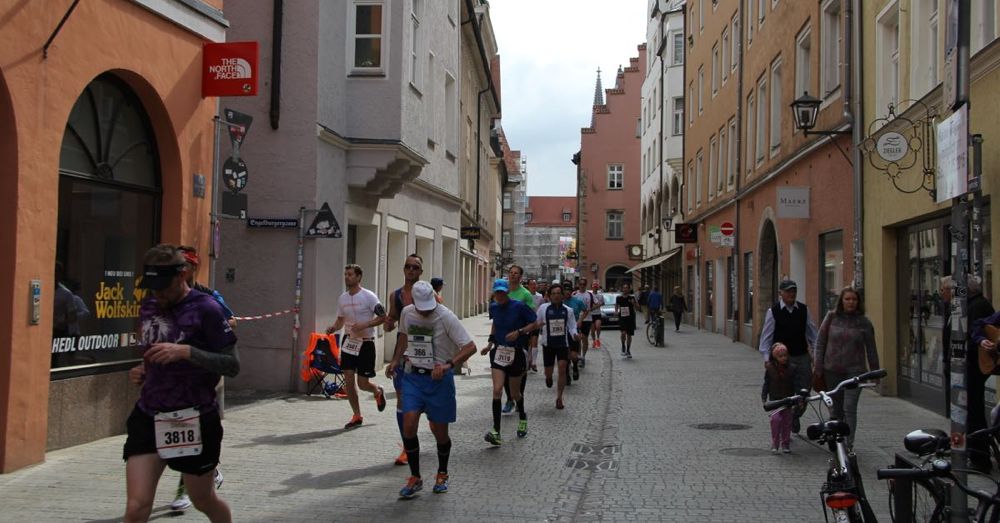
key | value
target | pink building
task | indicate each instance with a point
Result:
(608, 179)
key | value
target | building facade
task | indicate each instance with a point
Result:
(753, 181)
(549, 232)
(105, 154)
(662, 146)
(609, 179)
(908, 243)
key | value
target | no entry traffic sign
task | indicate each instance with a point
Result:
(727, 228)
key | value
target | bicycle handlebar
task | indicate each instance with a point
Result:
(939, 468)
(849, 383)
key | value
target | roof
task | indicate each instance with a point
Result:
(547, 211)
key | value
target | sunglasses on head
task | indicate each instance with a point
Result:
(412, 267)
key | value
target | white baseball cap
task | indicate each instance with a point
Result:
(423, 296)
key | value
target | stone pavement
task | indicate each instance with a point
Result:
(633, 444)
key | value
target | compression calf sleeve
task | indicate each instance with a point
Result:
(496, 415)
(412, 448)
(520, 409)
(444, 452)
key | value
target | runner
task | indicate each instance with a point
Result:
(355, 312)
(533, 288)
(512, 322)
(579, 312)
(596, 315)
(519, 293)
(557, 324)
(590, 303)
(413, 268)
(178, 387)
(433, 344)
(625, 308)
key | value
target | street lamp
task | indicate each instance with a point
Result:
(806, 110)
(667, 222)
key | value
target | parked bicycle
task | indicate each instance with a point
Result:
(843, 493)
(921, 492)
(654, 329)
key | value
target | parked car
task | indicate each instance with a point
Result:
(608, 316)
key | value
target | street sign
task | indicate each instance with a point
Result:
(727, 228)
(239, 124)
(273, 223)
(229, 69)
(728, 241)
(952, 178)
(470, 233)
(234, 174)
(324, 225)
(234, 205)
(714, 234)
(686, 233)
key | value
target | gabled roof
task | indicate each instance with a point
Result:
(547, 211)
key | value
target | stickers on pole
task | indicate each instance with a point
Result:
(324, 225)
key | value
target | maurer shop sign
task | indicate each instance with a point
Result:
(793, 202)
(229, 69)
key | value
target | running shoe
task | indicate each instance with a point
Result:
(534, 368)
(786, 450)
(441, 483)
(380, 399)
(576, 373)
(340, 394)
(356, 421)
(522, 428)
(583, 362)
(218, 479)
(508, 407)
(402, 459)
(413, 485)
(181, 501)
(628, 354)
(548, 381)
(493, 438)
(774, 450)
(559, 404)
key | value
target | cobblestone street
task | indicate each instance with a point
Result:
(628, 447)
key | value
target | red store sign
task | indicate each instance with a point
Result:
(229, 69)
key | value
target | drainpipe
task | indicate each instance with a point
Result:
(856, 73)
(737, 258)
(275, 112)
(479, 152)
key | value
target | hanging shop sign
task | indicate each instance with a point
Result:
(230, 69)
(793, 202)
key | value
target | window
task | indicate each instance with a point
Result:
(776, 107)
(616, 176)
(368, 49)
(983, 24)
(887, 57)
(731, 164)
(761, 11)
(416, 71)
(689, 185)
(761, 120)
(924, 47)
(701, 15)
(709, 287)
(505, 240)
(567, 216)
(716, 64)
(748, 287)
(748, 158)
(698, 175)
(830, 51)
(701, 89)
(615, 222)
(691, 97)
(803, 65)
(720, 163)
(731, 287)
(750, 25)
(506, 201)
(736, 41)
(711, 168)
(528, 216)
(690, 287)
(678, 116)
(451, 114)
(831, 254)
(725, 55)
(677, 37)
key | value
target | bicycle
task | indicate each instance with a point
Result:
(654, 329)
(920, 492)
(844, 492)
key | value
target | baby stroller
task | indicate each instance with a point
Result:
(323, 371)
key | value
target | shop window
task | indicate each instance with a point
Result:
(109, 212)
(748, 289)
(689, 291)
(831, 274)
(709, 288)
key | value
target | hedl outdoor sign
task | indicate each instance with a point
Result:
(229, 69)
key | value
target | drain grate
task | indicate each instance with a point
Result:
(719, 426)
(597, 450)
(745, 452)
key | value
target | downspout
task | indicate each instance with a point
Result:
(275, 112)
(737, 258)
(479, 152)
(663, 94)
(857, 135)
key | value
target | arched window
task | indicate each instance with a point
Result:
(109, 215)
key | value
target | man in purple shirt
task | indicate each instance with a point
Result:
(187, 346)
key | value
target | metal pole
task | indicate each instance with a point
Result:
(299, 258)
(214, 213)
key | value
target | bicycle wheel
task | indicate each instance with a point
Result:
(928, 501)
(651, 332)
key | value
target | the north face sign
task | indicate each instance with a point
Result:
(229, 69)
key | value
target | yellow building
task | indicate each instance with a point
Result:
(906, 234)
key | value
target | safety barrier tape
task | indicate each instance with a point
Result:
(263, 316)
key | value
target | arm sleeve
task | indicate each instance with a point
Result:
(766, 334)
(571, 321)
(869, 335)
(821, 341)
(225, 362)
(765, 387)
(977, 331)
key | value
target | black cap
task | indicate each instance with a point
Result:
(159, 277)
(436, 282)
(788, 285)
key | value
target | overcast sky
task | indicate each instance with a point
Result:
(549, 54)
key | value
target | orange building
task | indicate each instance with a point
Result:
(609, 179)
(106, 150)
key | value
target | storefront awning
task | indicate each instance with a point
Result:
(656, 260)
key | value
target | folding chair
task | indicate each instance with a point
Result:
(324, 370)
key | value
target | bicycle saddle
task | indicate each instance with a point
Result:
(923, 442)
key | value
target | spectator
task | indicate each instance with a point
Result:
(437, 284)
(654, 302)
(677, 306)
(979, 308)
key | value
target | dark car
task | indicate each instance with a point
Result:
(608, 316)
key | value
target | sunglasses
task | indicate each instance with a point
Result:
(411, 267)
